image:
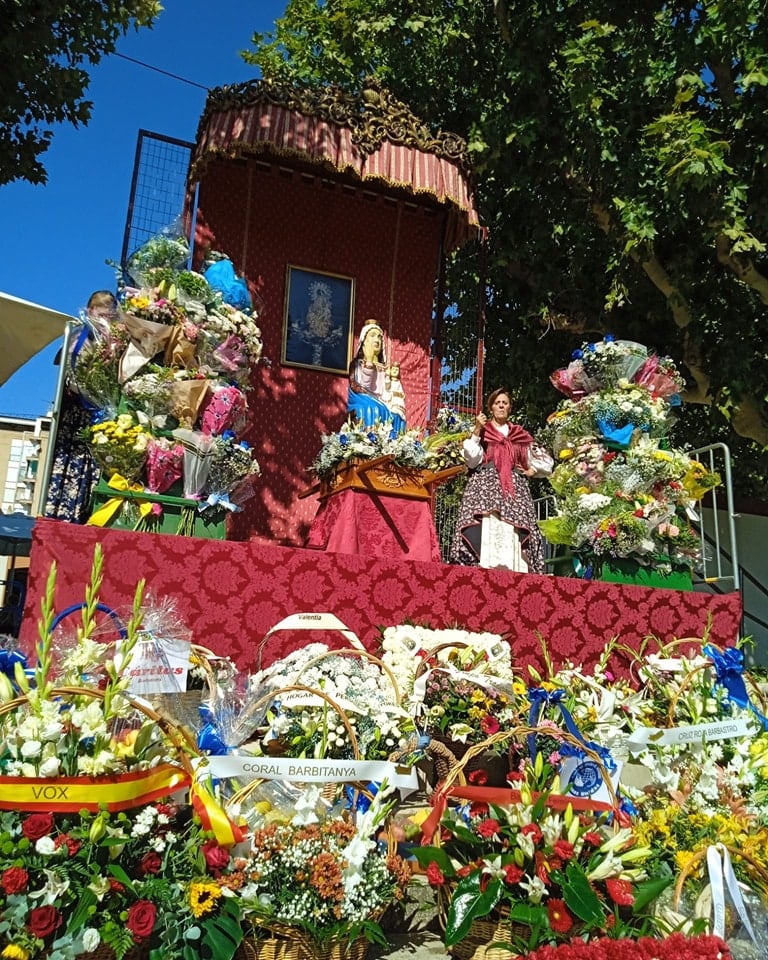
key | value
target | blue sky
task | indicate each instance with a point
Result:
(58, 236)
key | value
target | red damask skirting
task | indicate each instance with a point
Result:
(231, 593)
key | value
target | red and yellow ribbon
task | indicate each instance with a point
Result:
(213, 816)
(121, 791)
(102, 516)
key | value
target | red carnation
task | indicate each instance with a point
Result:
(620, 891)
(512, 873)
(37, 825)
(141, 919)
(15, 880)
(43, 921)
(216, 857)
(435, 876)
(478, 778)
(150, 863)
(64, 840)
(489, 725)
(563, 849)
(488, 828)
(560, 919)
(478, 808)
(593, 838)
(533, 831)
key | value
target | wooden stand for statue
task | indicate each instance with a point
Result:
(377, 507)
(383, 475)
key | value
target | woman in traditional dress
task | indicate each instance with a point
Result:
(497, 526)
(369, 381)
(74, 472)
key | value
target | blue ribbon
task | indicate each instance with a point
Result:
(541, 698)
(218, 500)
(729, 671)
(618, 436)
(209, 741)
(8, 661)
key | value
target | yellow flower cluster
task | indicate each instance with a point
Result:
(122, 432)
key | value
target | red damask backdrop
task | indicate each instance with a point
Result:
(266, 217)
(232, 593)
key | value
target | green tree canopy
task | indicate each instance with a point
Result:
(621, 158)
(44, 48)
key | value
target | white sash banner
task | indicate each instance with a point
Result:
(699, 733)
(316, 621)
(721, 869)
(309, 771)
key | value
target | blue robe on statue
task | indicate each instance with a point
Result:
(369, 409)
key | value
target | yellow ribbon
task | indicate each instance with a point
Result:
(70, 794)
(107, 511)
(213, 816)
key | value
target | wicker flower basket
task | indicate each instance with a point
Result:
(62, 794)
(490, 938)
(278, 941)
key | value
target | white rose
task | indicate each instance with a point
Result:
(45, 846)
(91, 939)
(30, 749)
(50, 767)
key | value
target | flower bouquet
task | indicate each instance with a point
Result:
(532, 871)
(119, 446)
(356, 442)
(136, 881)
(318, 889)
(365, 694)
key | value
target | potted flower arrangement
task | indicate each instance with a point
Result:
(529, 872)
(318, 889)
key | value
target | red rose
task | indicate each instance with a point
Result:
(435, 876)
(216, 857)
(42, 921)
(141, 919)
(37, 825)
(150, 863)
(14, 879)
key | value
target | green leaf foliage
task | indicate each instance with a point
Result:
(46, 49)
(470, 900)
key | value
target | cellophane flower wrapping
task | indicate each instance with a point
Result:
(225, 408)
(232, 461)
(165, 464)
(169, 250)
(198, 455)
(95, 365)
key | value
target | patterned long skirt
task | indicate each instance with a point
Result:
(73, 472)
(484, 496)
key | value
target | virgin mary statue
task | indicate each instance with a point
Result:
(370, 381)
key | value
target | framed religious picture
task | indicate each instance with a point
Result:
(317, 321)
